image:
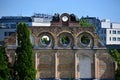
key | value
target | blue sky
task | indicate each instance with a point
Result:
(104, 9)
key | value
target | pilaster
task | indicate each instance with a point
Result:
(56, 67)
(96, 67)
(76, 66)
(36, 62)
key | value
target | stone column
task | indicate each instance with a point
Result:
(56, 67)
(96, 67)
(36, 63)
(76, 66)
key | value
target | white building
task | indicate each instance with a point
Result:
(40, 24)
(105, 24)
(113, 34)
(110, 32)
(41, 19)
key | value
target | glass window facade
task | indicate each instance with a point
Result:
(118, 32)
(114, 32)
(114, 38)
(118, 39)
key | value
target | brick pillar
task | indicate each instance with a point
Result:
(36, 63)
(76, 67)
(56, 66)
(96, 67)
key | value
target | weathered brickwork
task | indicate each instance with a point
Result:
(73, 59)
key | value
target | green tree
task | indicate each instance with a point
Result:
(24, 65)
(84, 23)
(65, 40)
(85, 39)
(45, 40)
(116, 56)
(4, 70)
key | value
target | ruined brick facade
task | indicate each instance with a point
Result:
(70, 60)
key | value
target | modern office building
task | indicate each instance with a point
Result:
(8, 25)
(107, 31)
(41, 19)
(12, 21)
(110, 34)
(113, 36)
(105, 24)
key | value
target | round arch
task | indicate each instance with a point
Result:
(88, 32)
(45, 39)
(65, 39)
(85, 39)
(64, 32)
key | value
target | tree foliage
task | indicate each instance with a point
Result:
(65, 39)
(85, 39)
(24, 65)
(4, 71)
(116, 56)
(84, 23)
(45, 40)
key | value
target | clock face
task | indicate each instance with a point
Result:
(65, 18)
